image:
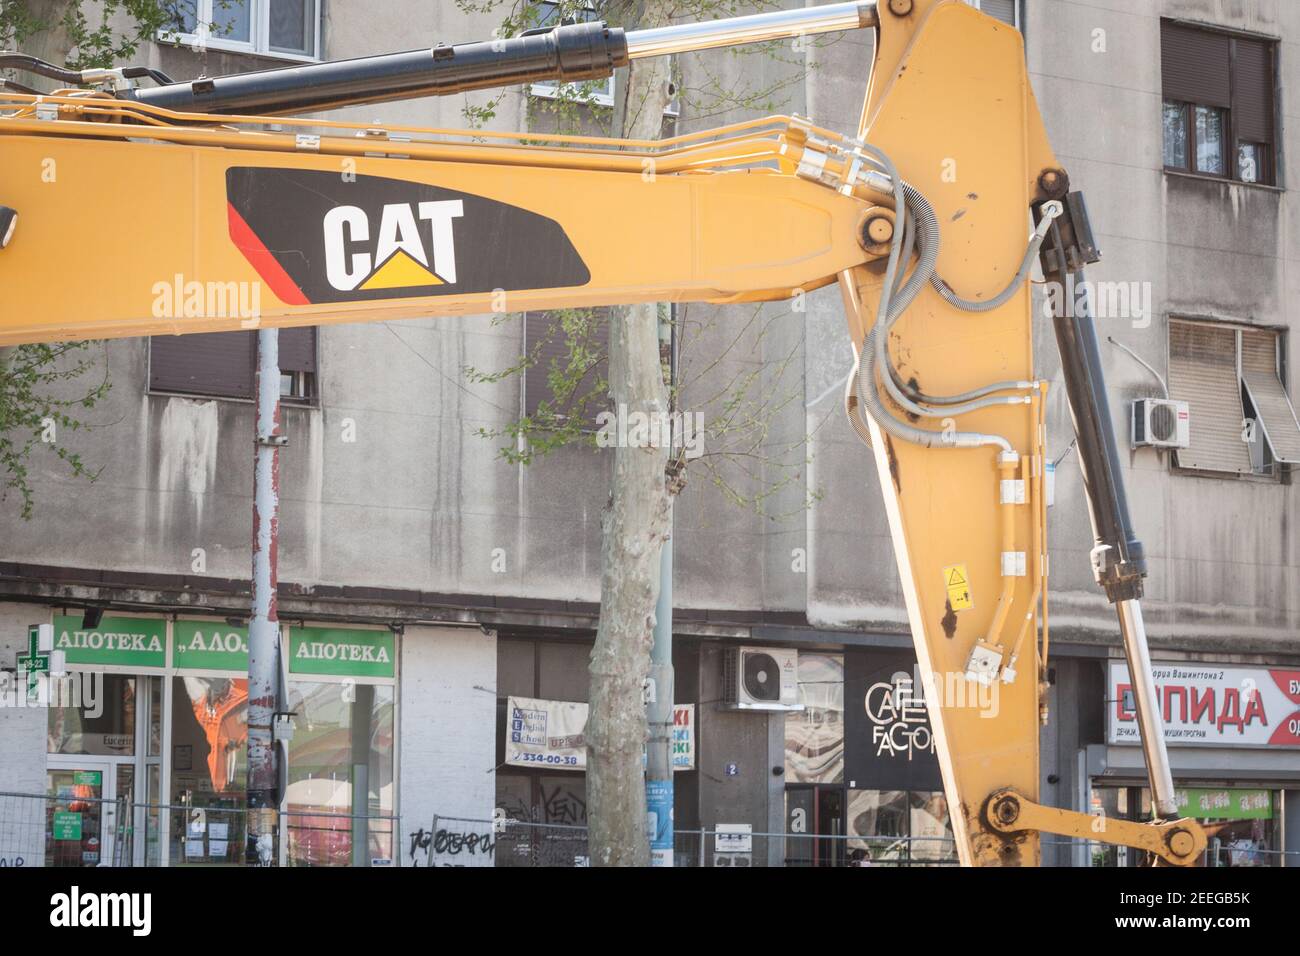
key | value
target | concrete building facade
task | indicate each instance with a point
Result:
(400, 520)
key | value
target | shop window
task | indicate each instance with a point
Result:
(282, 27)
(224, 364)
(104, 743)
(86, 727)
(1242, 419)
(1243, 825)
(209, 769)
(814, 737)
(339, 802)
(899, 828)
(549, 807)
(339, 806)
(1218, 103)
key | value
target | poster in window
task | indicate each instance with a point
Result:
(814, 737)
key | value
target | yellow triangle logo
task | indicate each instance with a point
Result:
(955, 578)
(400, 270)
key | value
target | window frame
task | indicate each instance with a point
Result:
(259, 32)
(1278, 472)
(1268, 174)
(1019, 22)
(311, 380)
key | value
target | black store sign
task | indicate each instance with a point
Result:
(888, 741)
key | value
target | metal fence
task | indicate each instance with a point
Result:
(507, 842)
(83, 830)
(71, 829)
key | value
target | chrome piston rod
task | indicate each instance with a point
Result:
(734, 31)
(1147, 706)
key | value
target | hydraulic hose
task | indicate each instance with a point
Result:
(31, 64)
(874, 349)
(1050, 211)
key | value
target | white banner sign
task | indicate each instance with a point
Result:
(549, 733)
(1211, 705)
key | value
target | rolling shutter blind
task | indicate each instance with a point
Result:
(1203, 373)
(1252, 107)
(222, 364)
(219, 364)
(1277, 416)
(1004, 10)
(1194, 65)
(298, 349)
(542, 331)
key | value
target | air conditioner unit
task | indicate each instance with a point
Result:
(1161, 423)
(761, 678)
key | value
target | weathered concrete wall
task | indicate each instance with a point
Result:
(22, 747)
(419, 500)
(1223, 556)
(755, 743)
(22, 729)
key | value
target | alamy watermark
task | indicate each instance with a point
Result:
(673, 430)
(83, 690)
(1108, 300)
(183, 298)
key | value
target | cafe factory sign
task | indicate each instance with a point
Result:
(1203, 704)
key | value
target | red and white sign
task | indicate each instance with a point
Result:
(1207, 704)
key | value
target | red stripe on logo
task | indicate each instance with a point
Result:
(272, 273)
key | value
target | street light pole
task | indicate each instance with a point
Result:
(659, 706)
(263, 801)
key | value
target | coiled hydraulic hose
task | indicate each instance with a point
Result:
(874, 349)
(1050, 211)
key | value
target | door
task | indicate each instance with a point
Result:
(80, 816)
(814, 823)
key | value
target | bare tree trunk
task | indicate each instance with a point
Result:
(634, 527)
(52, 44)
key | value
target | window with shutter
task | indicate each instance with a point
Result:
(1242, 420)
(550, 349)
(1008, 11)
(1218, 103)
(223, 364)
(1203, 373)
(1274, 413)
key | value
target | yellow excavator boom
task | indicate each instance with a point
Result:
(140, 219)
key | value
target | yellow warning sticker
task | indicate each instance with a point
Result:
(957, 581)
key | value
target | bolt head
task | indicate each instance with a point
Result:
(1181, 842)
(1006, 810)
(879, 229)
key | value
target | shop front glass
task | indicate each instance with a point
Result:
(103, 737)
(338, 808)
(340, 774)
(1243, 825)
(900, 827)
(147, 745)
(814, 765)
(209, 768)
